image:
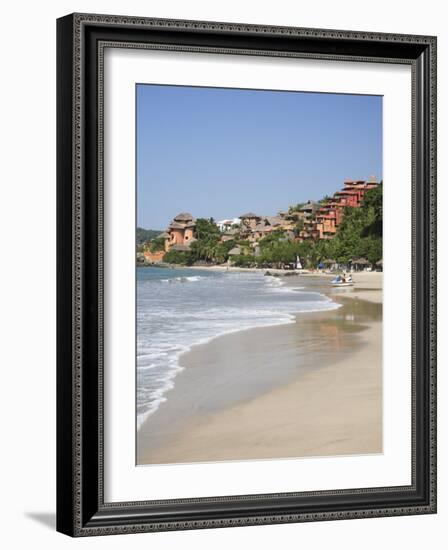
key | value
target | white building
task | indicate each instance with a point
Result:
(225, 225)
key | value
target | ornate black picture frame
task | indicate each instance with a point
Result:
(81, 509)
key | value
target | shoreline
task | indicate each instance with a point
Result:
(221, 268)
(224, 423)
(273, 270)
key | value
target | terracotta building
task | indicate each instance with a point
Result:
(180, 231)
(326, 223)
(322, 222)
(154, 257)
(250, 220)
(354, 191)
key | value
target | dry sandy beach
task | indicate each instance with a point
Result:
(310, 388)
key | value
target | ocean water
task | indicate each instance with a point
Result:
(181, 308)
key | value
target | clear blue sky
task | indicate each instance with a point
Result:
(221, 152)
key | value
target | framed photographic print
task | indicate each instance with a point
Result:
(246, 274)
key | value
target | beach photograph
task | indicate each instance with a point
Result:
(259, 274)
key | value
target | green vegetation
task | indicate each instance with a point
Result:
(206, 248)
(206, 230)
(325, 200)
(179, 257)
(143, 235)
(276, 250)
(296, 207)
(359, 235)
(300, 226)
(244, 260)
(157, 245)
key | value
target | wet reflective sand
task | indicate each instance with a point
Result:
(312, 388)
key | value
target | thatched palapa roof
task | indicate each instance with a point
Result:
(274, 220)
(361, 261)
(183, 217)
(176, 225)
(262, 227)
(250, 215)
(310, 205)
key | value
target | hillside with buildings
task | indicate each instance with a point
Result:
(339, 230)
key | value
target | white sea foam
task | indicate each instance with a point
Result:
(288, 289)
(190, 279)
(171, 319)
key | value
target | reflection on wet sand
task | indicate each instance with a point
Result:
(308, 388)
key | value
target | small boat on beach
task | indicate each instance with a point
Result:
(341, 281)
